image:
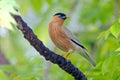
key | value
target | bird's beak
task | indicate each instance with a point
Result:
(68, 17)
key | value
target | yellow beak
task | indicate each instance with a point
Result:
(68, 17)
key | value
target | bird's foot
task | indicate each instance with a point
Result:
(66, 56)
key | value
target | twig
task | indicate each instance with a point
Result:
(44, 51)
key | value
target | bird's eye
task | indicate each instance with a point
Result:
(63, 17)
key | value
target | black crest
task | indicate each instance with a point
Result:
(61, 15)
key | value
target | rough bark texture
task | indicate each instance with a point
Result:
(44, 51)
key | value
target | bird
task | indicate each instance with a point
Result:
(64, 39)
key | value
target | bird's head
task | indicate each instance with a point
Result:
(61, 15)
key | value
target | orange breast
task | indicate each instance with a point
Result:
(60, 38)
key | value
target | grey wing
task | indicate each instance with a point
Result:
(73, 38)
(75, 41)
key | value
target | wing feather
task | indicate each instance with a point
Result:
(73, 38)
(82, 49)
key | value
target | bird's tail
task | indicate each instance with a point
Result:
(86, 56)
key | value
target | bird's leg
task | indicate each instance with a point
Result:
(68, 53)
(65, 55)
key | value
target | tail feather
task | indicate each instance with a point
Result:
(86, 56)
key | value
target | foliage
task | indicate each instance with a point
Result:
(115, 28)
(94, 22)
(5, 13)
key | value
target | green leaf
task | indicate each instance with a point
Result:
(110, 67)
(115, 28)
(118, 49)
(104, 35)
(2, 74)
(7, 7)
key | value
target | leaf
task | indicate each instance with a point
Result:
(118, 49)
(115, 53)
(7, 7)
(104, 35)
(110, 67)
(115, 28)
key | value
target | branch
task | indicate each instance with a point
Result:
(44, 51)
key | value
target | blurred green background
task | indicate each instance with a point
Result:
(92, 21)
